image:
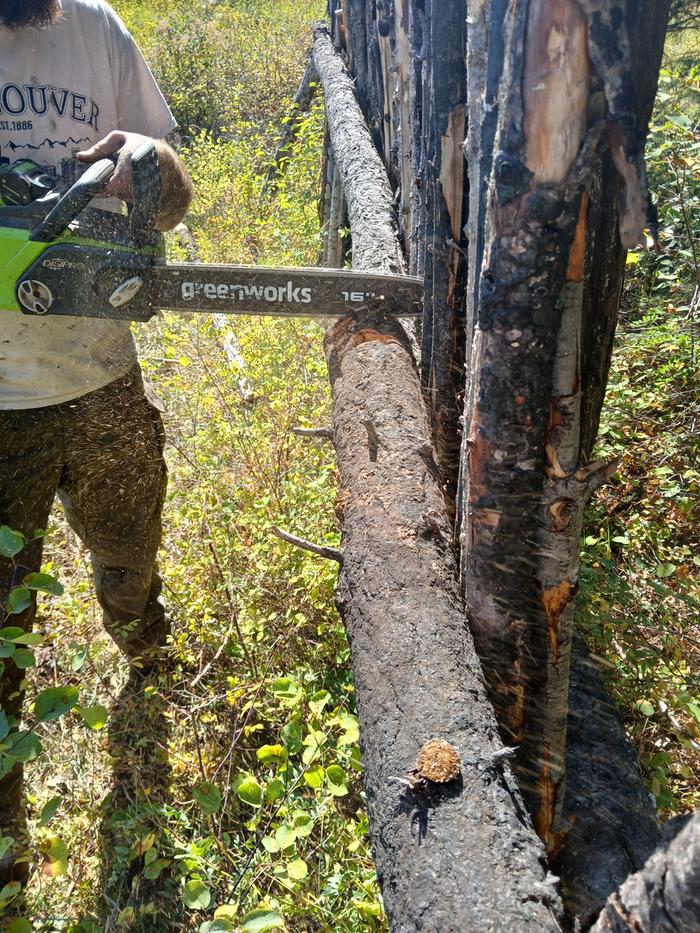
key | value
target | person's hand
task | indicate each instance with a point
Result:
(176, 184)
(125, 144)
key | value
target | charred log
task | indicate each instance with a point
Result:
(450, 856)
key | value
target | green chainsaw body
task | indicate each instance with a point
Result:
(59, 255)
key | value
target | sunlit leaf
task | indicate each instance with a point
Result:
(250, 792)
(196, 895)
(260, 920)
(94, 716)
(54, 702)
(55, 854)
(43, 583)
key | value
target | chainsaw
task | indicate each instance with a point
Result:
(60, 255)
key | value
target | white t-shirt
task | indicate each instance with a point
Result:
(62, 89)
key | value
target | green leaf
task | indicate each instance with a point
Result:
(196, 895)
(24, 658)
(694, 711)
(270, 753)
(665, 569)
(78, 659)
(19, 599)
(5, 844)
(54, 702)
(284, 688)
(220, 925)
(18, 925)
(250, 792)
(226, 912)
(259, 920)
(94, 716)
(43, 583)
(208, 796)
(24, 746)
(285, 836)
(270, 844)
(645, 708)
(337, 780)
(55, 854)
(274, 790)
(9, 892)
(11, 542)
(314, 776)
(351, 730)
(297, 869)
(153, 869)
(29, 638)
(291, 736)
(4, 724)
(48, 811)
(318, 701)
(303, 824)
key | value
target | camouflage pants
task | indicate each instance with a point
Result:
(102, 455)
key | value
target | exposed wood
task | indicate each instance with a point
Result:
(664, 897)
(416, 674)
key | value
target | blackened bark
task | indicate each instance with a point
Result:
(664, 897)
(462, 856)
(611, 816)
(445, 210)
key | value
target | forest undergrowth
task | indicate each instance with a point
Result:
(227, 795)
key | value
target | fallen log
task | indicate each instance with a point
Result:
(453, 856)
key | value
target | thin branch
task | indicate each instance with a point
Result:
(324, 433)
(330, 553)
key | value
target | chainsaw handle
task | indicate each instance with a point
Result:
(75, 200)
(147, 191)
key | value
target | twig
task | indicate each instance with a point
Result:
(324, 433)
(330, 553)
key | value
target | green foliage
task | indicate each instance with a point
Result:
(641, 561)
(226, 796)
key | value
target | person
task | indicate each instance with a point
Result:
(75, 417)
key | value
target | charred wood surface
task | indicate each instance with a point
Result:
(445, 210)
(460, 855)
(664, 897)
(610, 815)
(457, 857)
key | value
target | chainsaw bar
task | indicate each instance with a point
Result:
(87, 281)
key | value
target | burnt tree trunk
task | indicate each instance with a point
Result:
(460, 855)
(553, 171)
(565, 90)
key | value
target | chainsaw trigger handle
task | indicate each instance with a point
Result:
(147, 190)
(75, 200)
